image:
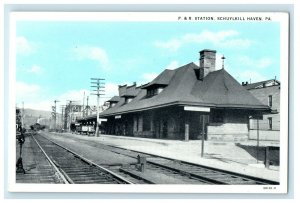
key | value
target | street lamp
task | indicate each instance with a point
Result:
(21, 140)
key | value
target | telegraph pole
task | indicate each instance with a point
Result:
(87, 106)
(54, 113)
(62, 115)
(67, 112)
(98, 85)
(257, 144)
(83, 104)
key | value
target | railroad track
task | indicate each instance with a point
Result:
(161, 170)
(75, 169)
(204, 174)
(38, 168)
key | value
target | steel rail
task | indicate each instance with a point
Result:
(63, 177)
(89, 161)
(257, 179)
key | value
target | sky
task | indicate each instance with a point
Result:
(55, 60)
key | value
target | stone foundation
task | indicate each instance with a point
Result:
(270, 135)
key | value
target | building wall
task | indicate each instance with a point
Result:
(233, 128)
(262, 95)
(193, 120)
(172, 123)
(139, 122)
(175, 123)
(228, 131)
(161, 124)
(270, 135)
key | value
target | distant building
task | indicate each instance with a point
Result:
(72, 112)
(184, 103)
(268, 93)
(18, 119)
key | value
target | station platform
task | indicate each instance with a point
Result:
(36, 167)
(222, 155)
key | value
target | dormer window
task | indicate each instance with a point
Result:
(151, 92)
(113, 101)
(159, 90)
(112, 104)
(128, 99)
(154, 91)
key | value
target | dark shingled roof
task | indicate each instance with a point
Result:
(218, 89)
(258, 84)
(129, 91)
(114, 99)
(162, 79)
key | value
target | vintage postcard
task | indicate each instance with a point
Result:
(153, 102)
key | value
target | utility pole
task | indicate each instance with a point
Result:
(54, 113)
(257, 144)
(62, 108)
(98, 85)
(87, 106)
(83, 104)
(67, 112)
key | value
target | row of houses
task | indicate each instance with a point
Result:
(190, 102)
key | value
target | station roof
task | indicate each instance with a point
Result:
(217, 90)
(114, 99)
(128, 91)
(162, 79)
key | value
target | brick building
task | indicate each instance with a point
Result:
(268, 93)
(184, 103)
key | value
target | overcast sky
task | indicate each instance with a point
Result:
(55, 60)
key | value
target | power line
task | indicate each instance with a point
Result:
(98, 86)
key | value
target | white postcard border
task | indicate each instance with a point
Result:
(281, 18)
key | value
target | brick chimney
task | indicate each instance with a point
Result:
(207, 62)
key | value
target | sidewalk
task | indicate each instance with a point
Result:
(223, 155)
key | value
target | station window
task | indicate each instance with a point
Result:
(155, 91)
(217, 116)
(270, 101)
(270, 123)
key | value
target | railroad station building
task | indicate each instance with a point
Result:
(185, 103)
(268, 93)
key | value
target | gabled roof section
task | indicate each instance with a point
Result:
(114, 99)
(162, 79)
(221, 89)
(262, 84)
